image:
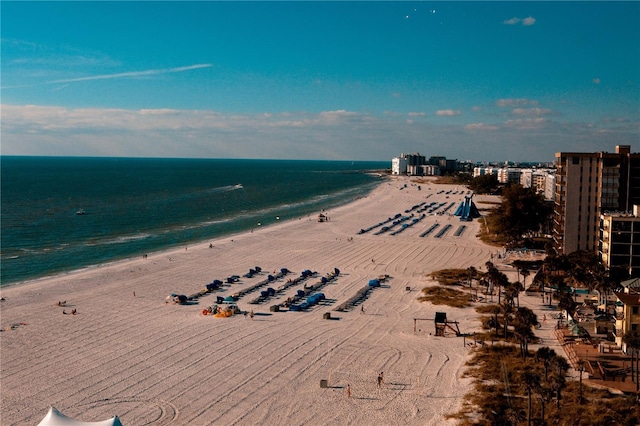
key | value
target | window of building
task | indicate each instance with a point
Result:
(634, 327)
(634, 310)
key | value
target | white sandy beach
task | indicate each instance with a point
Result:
(157, 363)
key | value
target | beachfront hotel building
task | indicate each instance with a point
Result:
(418, 165)
(407, 164)
(588, 185)
(543, 181)
(619, 244)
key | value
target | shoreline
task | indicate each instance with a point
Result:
(128, 352)
(117, 261)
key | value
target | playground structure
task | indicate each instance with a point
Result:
(467, 210)
(441, 324)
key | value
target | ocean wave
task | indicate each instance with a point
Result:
(121, 239)
(225, 188)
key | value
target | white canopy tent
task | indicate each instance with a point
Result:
(56, 418)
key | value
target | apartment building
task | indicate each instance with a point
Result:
(619, 244)
(508, 175)
(587, 185)
(417, 165)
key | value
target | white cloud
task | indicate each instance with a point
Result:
(132, 74)
(160, 111)
(531, 111)
(332, 117)
(417, 114)
(481, 126)
(527, 22)
(526, 123)
(448, 112)
(515, 102)
(42, 130)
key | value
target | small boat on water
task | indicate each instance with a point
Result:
(80, 212)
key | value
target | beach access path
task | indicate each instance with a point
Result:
(128, 352)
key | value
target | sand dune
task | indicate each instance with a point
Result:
(151, 362)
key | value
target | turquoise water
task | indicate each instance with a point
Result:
(134, 206)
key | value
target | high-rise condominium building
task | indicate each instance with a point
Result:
(620, 240)
(587, 185)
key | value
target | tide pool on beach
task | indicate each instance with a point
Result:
(66, 213)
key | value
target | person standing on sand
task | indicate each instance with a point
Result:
(379, 380)
(251, 314)
(348, 391)
(362, 309)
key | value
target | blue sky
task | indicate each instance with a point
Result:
(483, 81)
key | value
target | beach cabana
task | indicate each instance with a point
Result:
(56, 418)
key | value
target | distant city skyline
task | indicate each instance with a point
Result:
(481, 81)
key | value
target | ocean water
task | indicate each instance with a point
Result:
(134, 206)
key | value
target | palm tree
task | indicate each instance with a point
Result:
(524, 320)
(632, 340)
(511, 292)
(558, 378)
(545, 393)
(545, 354)
(525, 273)
(531, 381)
(472, 274)
(506, 310)
(517, 287)
(495, 310)
(581, 363)
(492, 276)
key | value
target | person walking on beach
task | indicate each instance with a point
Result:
(362, 309)
(348, 391)
(251, 314)
(379, 380)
